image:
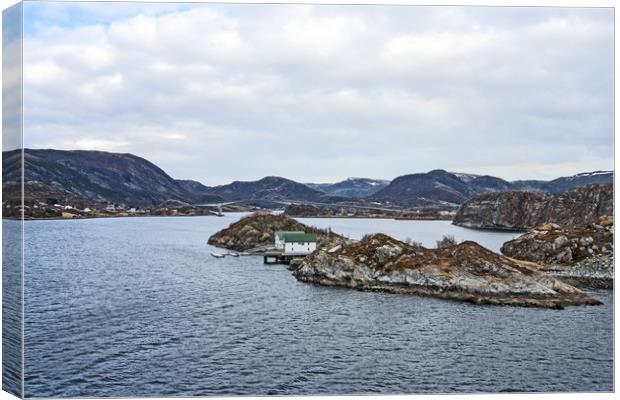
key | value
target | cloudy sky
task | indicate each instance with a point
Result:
(319, 93)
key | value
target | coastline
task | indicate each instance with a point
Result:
(211, 215)
(102, 217)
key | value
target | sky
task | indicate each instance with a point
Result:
(226, 92)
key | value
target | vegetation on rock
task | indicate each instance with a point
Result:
(552, 244)
(466, 272)
(256, 231)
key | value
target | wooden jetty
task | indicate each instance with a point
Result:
(278, 257)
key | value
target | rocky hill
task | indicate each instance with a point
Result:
(256, 232)
(514, 210)
(351, 187)
(552, 244)
(465, 271)
(96, 175)
(580, 254)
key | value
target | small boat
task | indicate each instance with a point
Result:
(218, 255)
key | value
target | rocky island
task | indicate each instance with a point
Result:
(466, 272)
(520, 211)
(256, 232)
(580, 254)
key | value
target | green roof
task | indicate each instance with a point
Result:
(281, 234)
(299, 237)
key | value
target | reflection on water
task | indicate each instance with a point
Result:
(137, 307)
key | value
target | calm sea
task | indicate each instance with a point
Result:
(138, 307)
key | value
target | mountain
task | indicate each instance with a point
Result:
(351, 187)
(96, 175)
(515, 210)
(133, 181)
(442, 188)
(272, 188)
(200, 193)
(437, 187)
(563, 184)
(486, 183)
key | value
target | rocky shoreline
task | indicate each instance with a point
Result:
(466, 272)
(595, 272)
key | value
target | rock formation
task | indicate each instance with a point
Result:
(466, 272)
(524, 210)
(583, 253)
(256, 232)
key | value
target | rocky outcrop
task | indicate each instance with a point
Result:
(256, 232)
(552, 244)
(466, 272)
(583, 252)
(524, 210)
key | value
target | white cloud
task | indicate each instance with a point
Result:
(374, 91)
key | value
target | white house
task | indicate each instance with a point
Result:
(279, 238)
(295, 242)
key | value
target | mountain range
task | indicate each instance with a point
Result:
(132, 180)
(352, 187)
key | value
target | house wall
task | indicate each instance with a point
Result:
(299, 248)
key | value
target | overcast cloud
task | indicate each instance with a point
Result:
(319, 93)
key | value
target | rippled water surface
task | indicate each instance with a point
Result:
(137, 307)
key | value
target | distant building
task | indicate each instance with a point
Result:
(295, 242)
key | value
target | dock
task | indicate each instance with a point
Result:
(278, 257)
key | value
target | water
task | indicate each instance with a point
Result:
(12, 307)
(425, 232)
(137, 307)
